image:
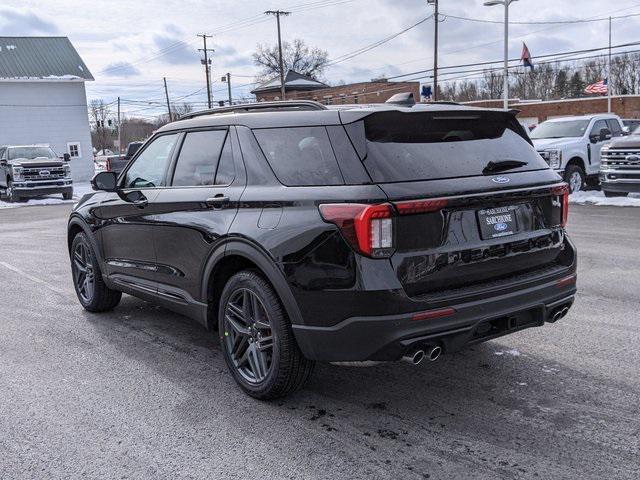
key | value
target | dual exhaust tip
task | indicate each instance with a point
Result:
(558, 314)
(430, 353)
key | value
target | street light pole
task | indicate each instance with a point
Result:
(505, 87)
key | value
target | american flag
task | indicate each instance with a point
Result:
(598, 87)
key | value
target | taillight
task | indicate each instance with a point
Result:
(368, 228)
(410, 207)
(563, 192)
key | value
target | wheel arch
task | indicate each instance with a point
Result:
(78, 225)
(579, 161)
(233, 257)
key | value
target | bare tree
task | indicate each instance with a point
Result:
(102, 135)
(297, 56)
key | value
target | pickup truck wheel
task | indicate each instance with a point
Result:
(610, 194)
(91, 290)
(575, 177)
(257, 340)
(10, 194)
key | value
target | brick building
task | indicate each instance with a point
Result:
(532, 113)
(376, 91)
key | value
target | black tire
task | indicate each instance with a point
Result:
(98, 298)
(288, 370)
(67, 195)
(570, 175)
(610, 194)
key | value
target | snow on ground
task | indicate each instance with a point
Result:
(79, 189)
(598, 198)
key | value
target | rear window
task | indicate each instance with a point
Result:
(397, 147)
(300, 156)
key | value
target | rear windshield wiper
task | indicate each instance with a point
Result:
(502, 165)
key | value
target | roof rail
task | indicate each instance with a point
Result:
(291, 105)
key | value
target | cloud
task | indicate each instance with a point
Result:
(121, 69)
(24, 22)
(174, 50)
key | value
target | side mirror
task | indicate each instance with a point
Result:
(605, 134)
(3, 161)
(66, 157)
(105, 181)
(626, 131)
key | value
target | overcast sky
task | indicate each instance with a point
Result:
(129, 46)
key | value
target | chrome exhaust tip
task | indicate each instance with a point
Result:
(414, 357)
(559, 313)
(433, 353)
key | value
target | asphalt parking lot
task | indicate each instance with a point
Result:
(143, 393)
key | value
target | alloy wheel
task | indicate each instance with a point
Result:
(248, 336)
(575, 182)
(83, 272)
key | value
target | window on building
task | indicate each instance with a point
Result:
(73, 149)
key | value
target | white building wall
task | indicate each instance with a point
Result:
(51, 112)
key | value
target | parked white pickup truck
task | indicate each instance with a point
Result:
(571, 145)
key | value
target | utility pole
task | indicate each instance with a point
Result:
(227, 78)
(609, 72)
(277, 14)
(166, 92)
(435, 48)
(119, 130)
(207, 64)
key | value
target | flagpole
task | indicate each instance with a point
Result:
(609, 72)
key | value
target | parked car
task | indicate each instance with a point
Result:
(571, 145)
(305, 234)
(116, 163)
(28, 171)
(620, 167)
(631, 124)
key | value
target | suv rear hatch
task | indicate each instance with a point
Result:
(473, 202)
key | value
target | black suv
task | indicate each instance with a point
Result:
(305, 234)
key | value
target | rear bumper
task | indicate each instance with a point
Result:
(388, 337)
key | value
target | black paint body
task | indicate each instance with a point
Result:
(178, 249)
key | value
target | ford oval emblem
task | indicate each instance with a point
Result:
(500, 180)
(500, 227)
(632, 159)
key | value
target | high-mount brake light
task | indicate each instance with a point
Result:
(563, 192)
(368, 228)
(411, 207)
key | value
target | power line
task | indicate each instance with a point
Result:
(549, 22)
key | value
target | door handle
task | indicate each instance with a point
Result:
(217, 201)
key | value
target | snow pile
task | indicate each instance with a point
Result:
(598, 198)
(79, 189)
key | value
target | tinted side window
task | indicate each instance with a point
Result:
(198, 159)
(614, 126)
(149, 169)
(600, 124)
(300, 156)
(226, 169)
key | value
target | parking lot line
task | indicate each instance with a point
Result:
(40, 281)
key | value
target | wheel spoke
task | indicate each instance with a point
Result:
(248, 335)
(240, 329)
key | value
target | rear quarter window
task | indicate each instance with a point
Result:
(300, 156)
